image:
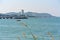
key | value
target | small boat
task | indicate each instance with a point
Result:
(18, 20)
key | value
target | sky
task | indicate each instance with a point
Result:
(41, 6)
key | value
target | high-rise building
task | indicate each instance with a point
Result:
(22, 12)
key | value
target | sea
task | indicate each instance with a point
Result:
(28, 29)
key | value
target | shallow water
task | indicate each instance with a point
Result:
(11, 29)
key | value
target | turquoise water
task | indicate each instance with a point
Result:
(11, 29)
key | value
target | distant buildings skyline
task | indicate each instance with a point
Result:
(41, 6)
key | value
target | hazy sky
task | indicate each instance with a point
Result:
(48, 6)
